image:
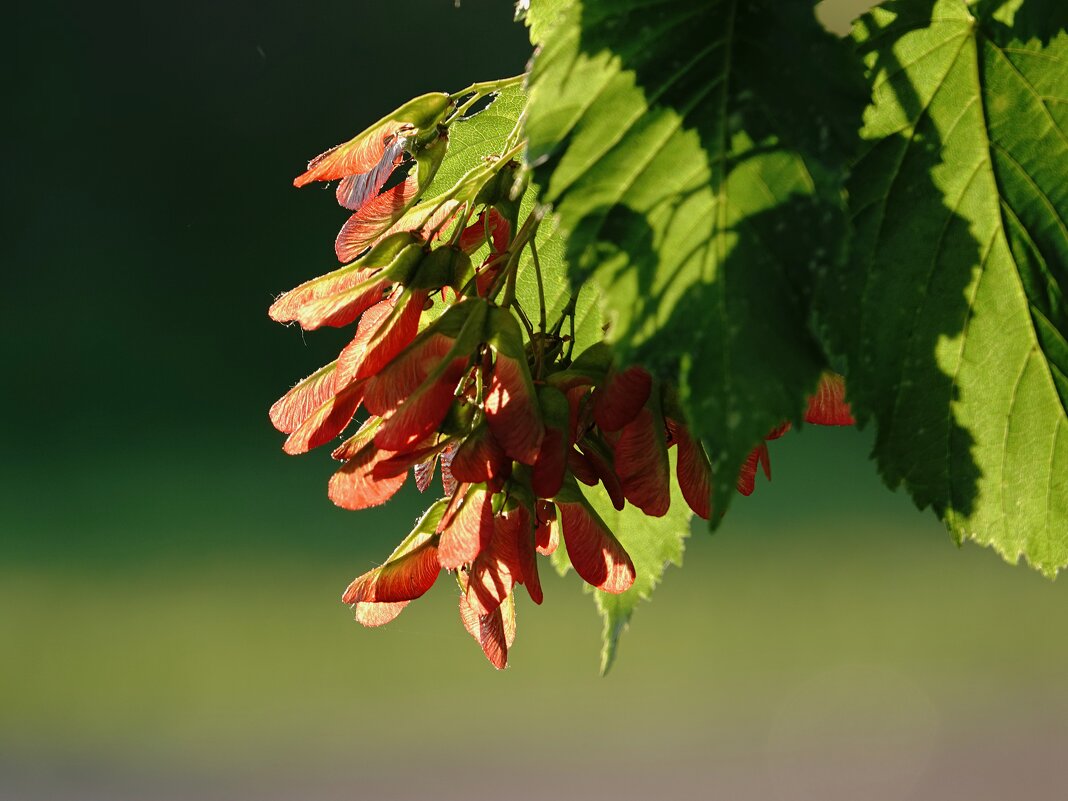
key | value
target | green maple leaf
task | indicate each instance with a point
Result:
(477, 136)
(692, 151)
(953, 317)
(653, 543)
(541, 15)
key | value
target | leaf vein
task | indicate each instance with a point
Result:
(1030, 88)
(1038, 189)
(921, 307)
(866, 289)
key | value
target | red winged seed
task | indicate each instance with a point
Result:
(364, 152)
(828, 407)
(581, 468)
(594, 552)
(316, 303)
(459, 328)
(374, 219)
(352, 355)
(426, 220)
(382, 215)
(373, 615)
(546, 531)
(361, 155)
(512, 411)
(383, 332)
(528, 564)
(601, 461)
(292, 409)
(693, 470)
(339, 297)
(747, 477)
(511, 406)
(406, 373)
(550, 466)
(468, 531)
(621, 398)
(500, 237)
(474, 235)
(479, 458)
(453, 506)
(487, 275)
(353, 191)
(496, 570)
(400, 463)
(327, 421)
(489, 632)
(448, 481)
(423, 411)
(424, 472)
(641, 462)
(356, 485)
(404, 578)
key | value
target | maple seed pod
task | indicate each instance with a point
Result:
(467, 532)
(621, 398)
(370, 475)
(409, 571)
(292, 409)
(595, 553)
(497, 569)
(375, 218)
(494, 632)
(424, 409)
(550, 466)
(339, 297)
(327, 421)
(512, 410)
(599, 459)
(365, 151)
(480, 459)
(583, 470)
(641, 460)
(828, 406)
(383, 331)
(693, 470)
(488, 222)
(546, 528)
(747, 475)
(453, 336)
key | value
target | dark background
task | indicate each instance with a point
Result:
(169, 624)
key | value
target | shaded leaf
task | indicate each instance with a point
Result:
(697, 172)
(653, 543)
(953, 321)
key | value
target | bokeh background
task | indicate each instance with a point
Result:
(169, 581)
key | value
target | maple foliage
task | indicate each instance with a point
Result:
(519, 256)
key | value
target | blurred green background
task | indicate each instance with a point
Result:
(169, 581)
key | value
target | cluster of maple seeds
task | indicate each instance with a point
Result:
(448, 381)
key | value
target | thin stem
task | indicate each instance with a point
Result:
(484, 88)
(477, 91)
(523, 319)
(517, 129)
(541, 285)
(464, 217)
(525, 234)
(571, 339)
(569, 311)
